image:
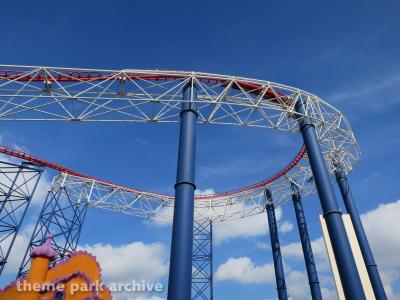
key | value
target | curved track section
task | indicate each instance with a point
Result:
(30, 93)
(87, 95)
(220, 207)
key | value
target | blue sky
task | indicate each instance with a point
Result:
(347, 53)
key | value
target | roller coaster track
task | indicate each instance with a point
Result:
(42, 162)
(39, 93)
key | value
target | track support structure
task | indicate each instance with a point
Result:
(306, 244)
(17, 187)
(180, 272)
(202, 261)
(62, 217)
(276, 248)
(340, 243)
(368, 257)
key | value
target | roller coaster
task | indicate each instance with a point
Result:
(329, 153)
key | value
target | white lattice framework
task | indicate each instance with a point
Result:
(219, 207)
(86, 95)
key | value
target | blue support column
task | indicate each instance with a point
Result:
(180, 271)
(276, 249)
(306, 245)
(351, 208)
(349, 276)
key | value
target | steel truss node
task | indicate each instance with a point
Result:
(65, 94)
(219, 207)
(202, 260)
(87, 95)
(17, 186)
(160, 207)
(62, 217)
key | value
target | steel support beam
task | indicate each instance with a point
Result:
(62, 216)
(202, 261)
(306, 244)
(276, 248)
(180, 272)
(368, 257)
(340, 243)
(17, 187)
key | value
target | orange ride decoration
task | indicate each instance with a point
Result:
(77, 277)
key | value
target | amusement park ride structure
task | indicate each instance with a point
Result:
(84, 95)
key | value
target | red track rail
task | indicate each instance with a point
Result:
(81, 76)
(78, 76)
(39, 161)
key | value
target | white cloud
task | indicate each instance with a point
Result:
(263, 245)
(318, 246)
(253, 226)
(208, 191)
(22, 239)
(243, 270)
(148, 298)
(382, 226)
(134, 261)
(292, 250)
(41, 188)
(164, 216)
(285, 227)
(44, 183)
(297, 285)
(120, 264)
(328, 294)
(17, 252)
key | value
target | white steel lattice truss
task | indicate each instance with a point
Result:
(61, 94)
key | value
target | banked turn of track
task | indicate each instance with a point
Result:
(38, 93)
(220, 207)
